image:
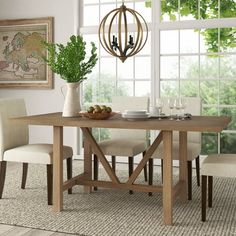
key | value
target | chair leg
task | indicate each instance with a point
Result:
(150, 174)
(113, 163)
(131, 166)
(189, 180)
(210, 188)
(50, 183)
(24, 175)
(69, 171)
(145, 169)
(204, 196)
(197, 170)
(95, 170)
(3, 167)
(162, 170)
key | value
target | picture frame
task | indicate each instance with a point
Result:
(21, 53)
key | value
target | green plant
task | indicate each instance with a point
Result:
(69, 61)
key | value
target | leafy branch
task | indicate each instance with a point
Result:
(69, 61)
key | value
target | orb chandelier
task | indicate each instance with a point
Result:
(115, 36)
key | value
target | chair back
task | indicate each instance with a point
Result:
(12, 134)
(120, 103)
(194, 107)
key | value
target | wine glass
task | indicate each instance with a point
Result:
(171, 102)
(159, 105)
(184, 103)
(178, 107)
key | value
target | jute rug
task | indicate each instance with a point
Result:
(113, 212)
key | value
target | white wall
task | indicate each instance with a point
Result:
(43, 101)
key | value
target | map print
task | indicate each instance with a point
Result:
(21, 52)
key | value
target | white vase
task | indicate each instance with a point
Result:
(72, 101)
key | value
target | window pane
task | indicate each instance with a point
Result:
(105, 9)
(125, 70)
(142, 88)
(169, 67)
(209, 67)
(169, 88)
(169, 10)
(209, 143)
(189, 67)
(227, 8)
(227, 92)
(146, 12)
(125, 88)
(228, 143)
(169, 42)
(210, 111)
(209, 40)
(228, 39)
(142, 67)
(188, 10)
(209, 92)
(231, 112)
(106, 90)
(228, 67)
(189, 41)
(189, 88)
(88, 38)
(91, 11)
(90, 91)
(209, 10)
(108, 66)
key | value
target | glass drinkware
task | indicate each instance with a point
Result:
(159, 104)
(171, 102)
(178, 106)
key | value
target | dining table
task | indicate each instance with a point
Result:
(170, 190)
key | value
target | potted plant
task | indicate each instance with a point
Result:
(70, 63)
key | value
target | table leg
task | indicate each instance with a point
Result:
(57, 168)
(87, 163)
(167, 178)
(183, 169)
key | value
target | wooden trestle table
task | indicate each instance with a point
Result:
(166, 128)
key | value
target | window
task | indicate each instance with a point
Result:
(111, 77)
(191, 52)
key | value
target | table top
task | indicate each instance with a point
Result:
(196, 123)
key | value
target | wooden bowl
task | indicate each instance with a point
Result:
(98, 116)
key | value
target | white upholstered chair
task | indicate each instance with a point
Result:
(15, 147)
(218, 165)
(125, 142)
(193, 106)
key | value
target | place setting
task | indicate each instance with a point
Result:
(164, 109)
(135, 115)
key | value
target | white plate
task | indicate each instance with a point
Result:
(135, 112)
(140, 116)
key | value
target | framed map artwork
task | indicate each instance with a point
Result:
(22, 52)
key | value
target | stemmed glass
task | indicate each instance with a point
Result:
(178, 106)
(159, 105)
(184, 103)
(171, 102)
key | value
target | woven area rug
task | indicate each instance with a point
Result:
(113, 212)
